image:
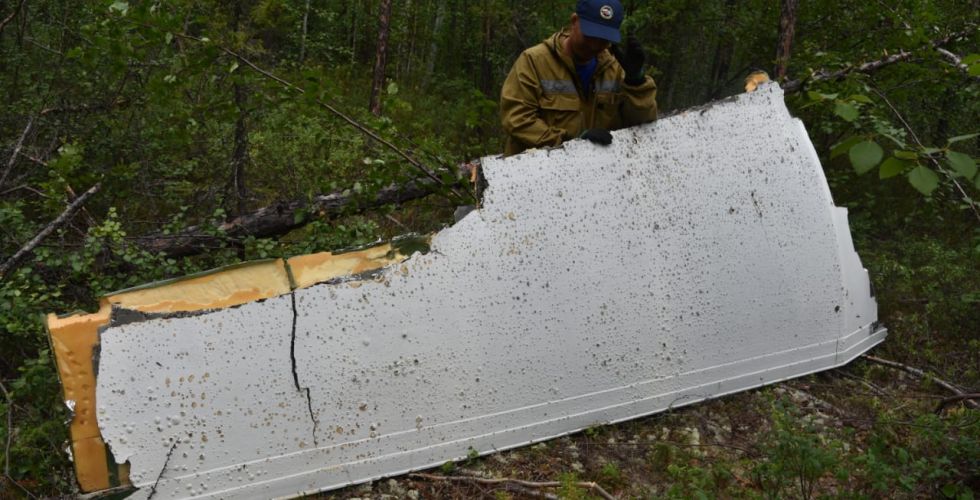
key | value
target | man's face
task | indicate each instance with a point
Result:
(584, 48)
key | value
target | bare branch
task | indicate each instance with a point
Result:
(923, 375)
(956, 61)
(3, 24)
(594, 487)
(42, 46)
(278, 219)
(54, 225)
(26, 188)
(871, 66)
(17, 147)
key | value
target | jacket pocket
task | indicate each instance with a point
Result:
(562, 111)
(606, 110)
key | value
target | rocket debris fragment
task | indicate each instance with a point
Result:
(697, 256)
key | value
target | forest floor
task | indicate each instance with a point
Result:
(863, 430)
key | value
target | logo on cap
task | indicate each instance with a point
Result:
(606, 12)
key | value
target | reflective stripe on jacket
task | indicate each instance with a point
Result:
(542, 104)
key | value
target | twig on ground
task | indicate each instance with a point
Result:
(955, 399)
(874, 388)
(513, 488)
(12, 262)
(678, 445)
(594, 487)
(397, 222)
(921, 374)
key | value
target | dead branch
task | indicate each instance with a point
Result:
(953, 58)
(26, 188)
(54, 225)
(956, 61)
(594, 487)
(3, 24)
(104, 106)
(955, 399)
(278, 219)
(362, 128)
(33, 159)
(16, 152)
(923, 375)
(871, 66)
(874, 388)
(42, 46)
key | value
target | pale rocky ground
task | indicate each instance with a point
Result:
(631, 459)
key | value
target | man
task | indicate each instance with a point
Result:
(571, 86)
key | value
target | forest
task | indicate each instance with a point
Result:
(141, 141)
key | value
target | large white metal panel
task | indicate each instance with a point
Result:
(698, 256)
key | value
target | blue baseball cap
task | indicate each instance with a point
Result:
(600, 18)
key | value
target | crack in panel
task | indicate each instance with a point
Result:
(292, 357)
(163, 470)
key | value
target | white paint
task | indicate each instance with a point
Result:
(698, 256)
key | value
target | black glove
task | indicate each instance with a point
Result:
(597, 136)
(631, 60)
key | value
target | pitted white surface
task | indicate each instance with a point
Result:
(698, 256)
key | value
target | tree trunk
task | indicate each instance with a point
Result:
(787, 29)
(239, 156)
(412, 9)
(306, 21)
(434, 47)
(279, 219)
(486, 67)
(381, 59)
(724, 50)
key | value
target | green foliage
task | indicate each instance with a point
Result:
(39, 433)
(611, 476)
(140, 96)
(939, 457)
(797, 456)
(569, 489)
(692, 481)
(865, 156)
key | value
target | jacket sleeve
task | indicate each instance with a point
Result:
(640, 103)
(520, 107)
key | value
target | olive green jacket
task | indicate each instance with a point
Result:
(542, 103)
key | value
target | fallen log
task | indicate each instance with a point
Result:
(278, 219)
